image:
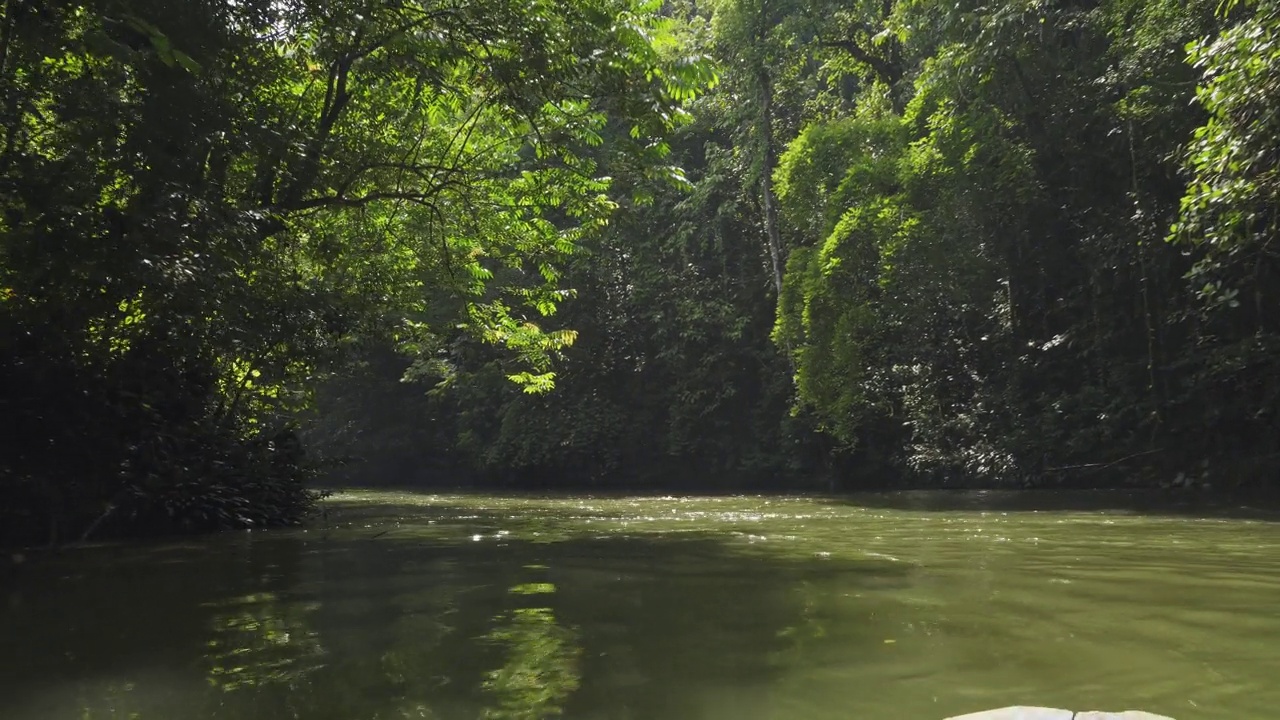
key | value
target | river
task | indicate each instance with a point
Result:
(400, 605)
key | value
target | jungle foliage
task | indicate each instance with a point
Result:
(999, 244)
(210, 206)
(750, 243)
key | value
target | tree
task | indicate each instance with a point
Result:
(207, 206)
(1228, 222)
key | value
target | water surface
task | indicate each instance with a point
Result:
(401, 605)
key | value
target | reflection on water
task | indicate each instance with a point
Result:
(541, 668)
(474, 608)
(257, 639)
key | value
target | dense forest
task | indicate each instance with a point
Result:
(252, 248)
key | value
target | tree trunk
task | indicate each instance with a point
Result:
(772, 233)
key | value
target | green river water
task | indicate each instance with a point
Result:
(401, 605)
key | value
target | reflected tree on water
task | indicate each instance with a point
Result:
(259, 640)
(542, 667)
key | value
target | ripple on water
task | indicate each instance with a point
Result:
(750, 608)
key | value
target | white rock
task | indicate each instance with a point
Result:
(1018, 713)
(1040, 713)
(1125, 715)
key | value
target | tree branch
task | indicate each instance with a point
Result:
(885, 69)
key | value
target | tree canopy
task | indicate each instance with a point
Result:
(209, 205)
(751, 243)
